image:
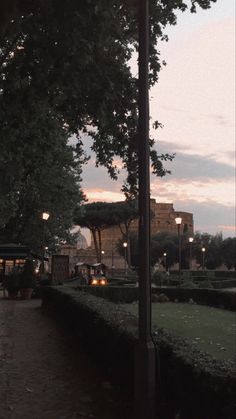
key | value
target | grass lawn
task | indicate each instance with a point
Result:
(210, 329)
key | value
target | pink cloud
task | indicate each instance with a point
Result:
(227, 227)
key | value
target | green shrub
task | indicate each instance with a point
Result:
(192, 381)
(205, 284)
(160, 298)
(188, 284)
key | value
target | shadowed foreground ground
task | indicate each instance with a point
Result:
(44, 375)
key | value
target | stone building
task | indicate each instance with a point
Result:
(163, 219)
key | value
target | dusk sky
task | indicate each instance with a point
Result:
(195, 102)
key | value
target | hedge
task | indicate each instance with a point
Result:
(191, 384)
(212, 297)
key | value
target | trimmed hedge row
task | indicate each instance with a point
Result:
(224, 283)
(191, 385)
(213, 297)
(101, 327)
(210, 274)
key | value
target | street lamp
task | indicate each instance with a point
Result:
(112, 258)
(165, 254)
(203, 258)
(102, 253)
(125, 244)
(190, 252)
(45, 216)
(178, 221)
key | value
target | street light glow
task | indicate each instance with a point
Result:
(190, 239)
(178, 220)
(203, 249)
(125, 244)
(45, 216)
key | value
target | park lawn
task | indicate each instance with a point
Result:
(209, 329)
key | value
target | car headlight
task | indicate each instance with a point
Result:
(94, 282)
(103, 282)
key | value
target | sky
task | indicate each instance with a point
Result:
(195, 101)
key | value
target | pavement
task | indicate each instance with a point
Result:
(45, 374)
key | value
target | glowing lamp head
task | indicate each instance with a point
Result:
(45, 216)
(178, 220)
(190, 239)
(125, 244)
(203, 249)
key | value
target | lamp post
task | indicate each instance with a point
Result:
(190, 240)
(125, 244)
(45, 216)
(178, 221)
(145, 357)
(112, 258)
(203, 258)
(165, 254)
(102, 254)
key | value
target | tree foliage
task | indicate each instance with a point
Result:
(218, 251)
(65, 69)
(46, 177)
(123, 214)
(96, 217)
(228, 252)
(74, 58)
(99, 216)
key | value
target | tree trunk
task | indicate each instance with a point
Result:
(95, 244)
(125, 234)
(100, 245)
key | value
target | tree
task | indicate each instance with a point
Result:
(212, 244)
(46, 177)
(96, 217)
(50, 57)
(164, 242)
(228, 252)
(123, 214)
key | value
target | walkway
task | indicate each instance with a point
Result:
(44, 375)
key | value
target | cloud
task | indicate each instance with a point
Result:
(169, 189)
(210, 218)
(227, 228)
(98, 177)
(218, 119)
(95, 195)
(195, 96)
(198, 167)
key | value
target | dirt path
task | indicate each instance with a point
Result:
(43, 375)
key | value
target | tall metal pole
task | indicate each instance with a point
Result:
(190, 256)
(112, 258)
(145, 370)
(190, 240)
(180, 262)
(45, 216)
(43, 249)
